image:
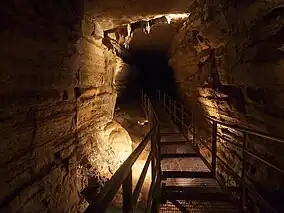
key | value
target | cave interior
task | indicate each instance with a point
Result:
(72, 73)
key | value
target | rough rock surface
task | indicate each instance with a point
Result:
(227, 60)
(111, 13)
(58, 90)
(57, 104)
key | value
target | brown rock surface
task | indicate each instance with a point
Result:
(59, 81)
(226, 60)
(57, 104)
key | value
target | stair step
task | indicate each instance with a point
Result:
(173, 137)
(171, 150)
(185, 164)
(186, 174)
(192, 182)
(168, 130)
(177, 143)
(193, 189)
(171, 133)
(191, 194)
(197, 207)
(201, 188)
(182, 155)
(181, 143)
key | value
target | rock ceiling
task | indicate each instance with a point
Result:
(112, 13)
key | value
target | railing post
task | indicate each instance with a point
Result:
(170, 108)
(127, 194)
(193, 129)
(155, 167)
(214, 147)
(153, 161)
(243, 174)
(158, 143)
(150, 114)
(182, 117)
(175, 110)
(164, 101)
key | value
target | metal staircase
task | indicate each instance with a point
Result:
(188, 185)
(183, 180)
(191, 183)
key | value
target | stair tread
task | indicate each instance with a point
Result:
(169, 130)
(172, 148)
(172, 137)
(186, 174)
(193, 190)
(198, 207)
(193, 195)
(192, 182)
(184, 164)
(189, 183)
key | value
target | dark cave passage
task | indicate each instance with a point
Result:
(148, 59)
(152, 73)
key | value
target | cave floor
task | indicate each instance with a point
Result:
(188, 184)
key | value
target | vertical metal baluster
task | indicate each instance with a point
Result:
(170, 108)
(127, 194)
(154, 161)
(193, 129)
(243, 194)
(214, 147)
(154, 166)
(164, 101)
(182, 118)
(175, 111)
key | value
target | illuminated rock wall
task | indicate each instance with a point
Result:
(57, 102)
(228, 60)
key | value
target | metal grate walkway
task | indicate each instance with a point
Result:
(187, 183)
(197, 207)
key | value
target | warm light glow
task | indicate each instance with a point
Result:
(136, 172)
(209, 105)
(148, 28)
(175, 16)
(129, 30)
(142, 123)
(128, 37)
(170, 17)
(118, 68)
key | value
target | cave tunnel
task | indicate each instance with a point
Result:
(71, 75)
(154, 72)
(148, 54)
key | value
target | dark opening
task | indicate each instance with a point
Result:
(148, 59)
(153, 72)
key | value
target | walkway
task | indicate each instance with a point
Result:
(182, 179)
(188, 184)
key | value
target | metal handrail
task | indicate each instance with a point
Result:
(123, 176)
(171, 106)
(239, 127)
(112, 186)
(246, 130)
(249, 131)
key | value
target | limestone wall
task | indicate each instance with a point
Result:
(56, 107)
(228, 62)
